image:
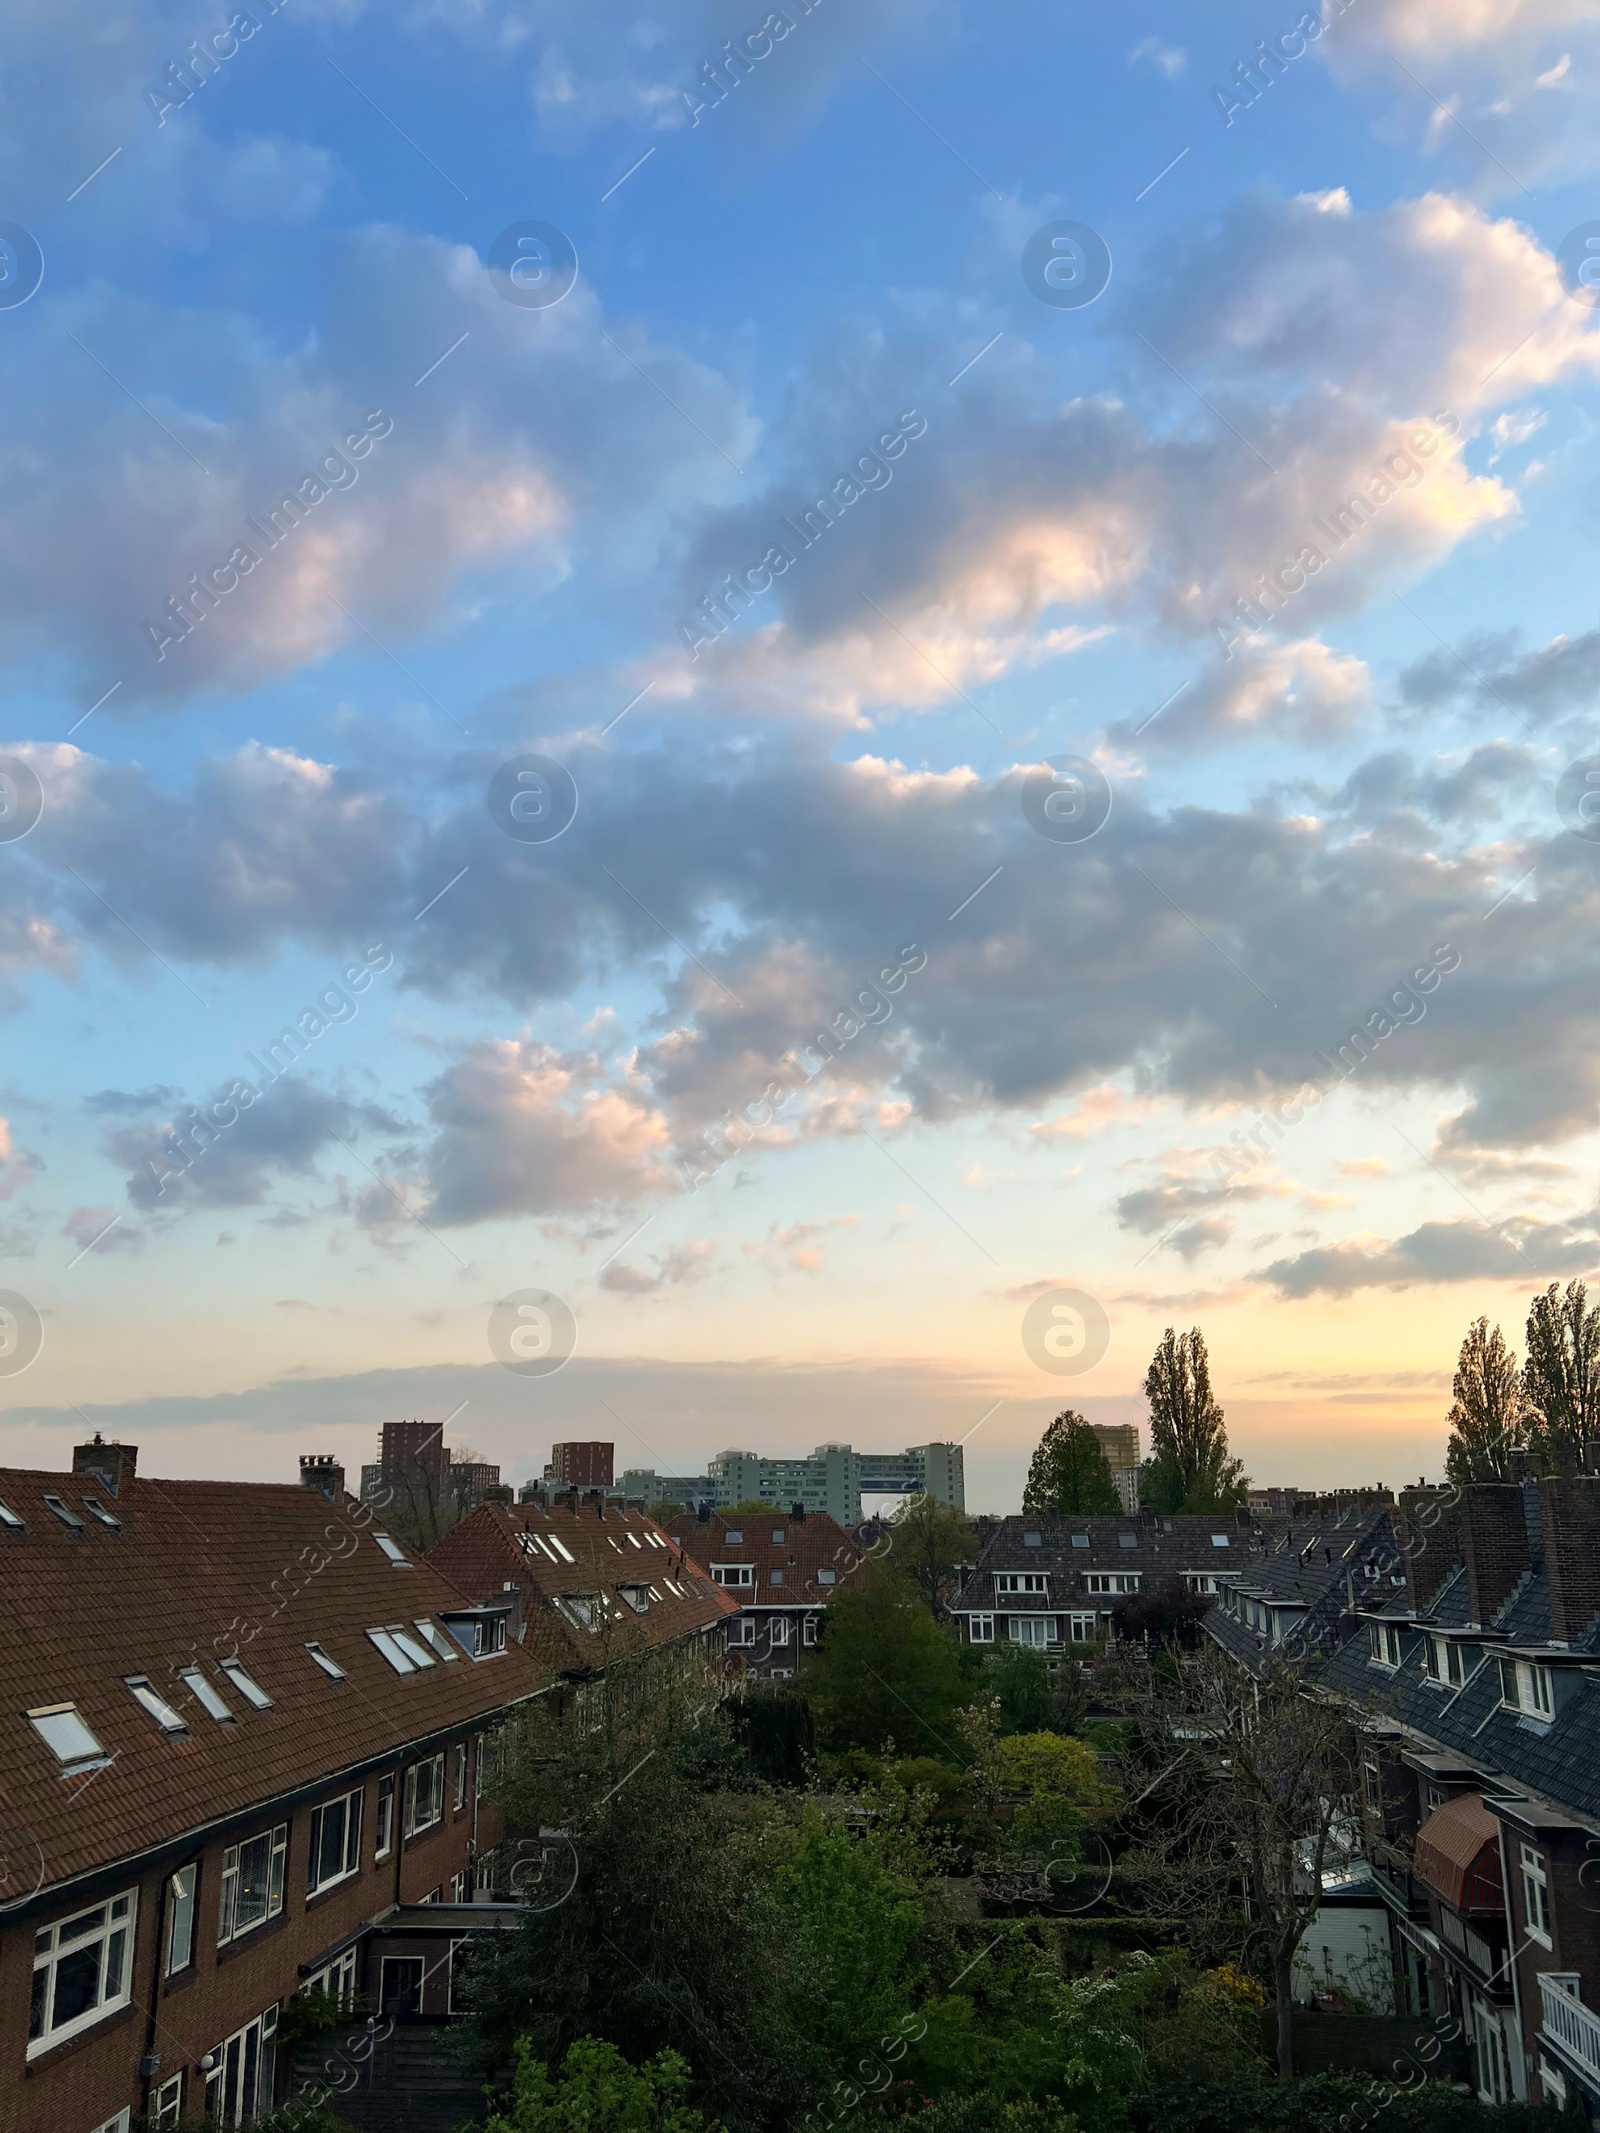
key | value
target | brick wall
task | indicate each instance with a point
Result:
(1569, 1515)
(1494, 1537)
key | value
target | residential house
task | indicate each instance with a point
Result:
(781, 1569)
(1050, 1581)
(244, 1737)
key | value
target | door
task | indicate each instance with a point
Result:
(401, 1985)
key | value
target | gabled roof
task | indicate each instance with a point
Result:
(1154, 1544)
(1314, 1573)
(804, 1550)
(595, 1581)
(195, 1572)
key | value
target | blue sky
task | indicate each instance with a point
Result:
(1312, 798)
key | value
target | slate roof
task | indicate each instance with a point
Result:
(193, 1572)
(1160, 1548)
(1560, 1762)
(803, 1550)
(1319, 1567)
(654, 1592)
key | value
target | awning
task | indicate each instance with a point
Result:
(1458, 1855)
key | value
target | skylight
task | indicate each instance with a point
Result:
(733, 1539)
(1220, 1540)
(99, 1511)
(418, 1654)
(9, 1518)
(67, 1737)
(330, 1666)
(562, 1550)
(391, 1651)
(151, 1699)
(393, 1550)
(203, 1691)
(251, 1691)
(69, 1518)
(639, 1544)
(436, 1640)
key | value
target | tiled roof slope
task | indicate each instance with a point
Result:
(616, 1552)
(1320, 1566)
(197, 1571)
(803, 1549)
(1161, 1548)
(1560, 1762)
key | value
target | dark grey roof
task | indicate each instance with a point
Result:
(1160, 1548)
(1316, 1573)
(1560, 1761)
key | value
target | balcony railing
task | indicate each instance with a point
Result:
(1568, 2022)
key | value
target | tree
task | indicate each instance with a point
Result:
(884, 1670)
(1166, 1614)
(1243, 1819)
(1070, 1472)
(1190, 1466)
(1561, 1377)
(597, 2091)
(929, 1546)
(1488, 1418)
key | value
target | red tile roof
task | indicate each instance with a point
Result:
(194, 1572)
(814, 1554)
(614, 1552)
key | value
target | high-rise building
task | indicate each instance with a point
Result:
(581, 1466)
(836, 1476)
(1120, 1443)
(414, 1466)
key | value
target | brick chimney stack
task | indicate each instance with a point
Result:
(1494, 1536)
(113, 1463)
(1569, 1518)
(1430, 1519)
(322, 1471)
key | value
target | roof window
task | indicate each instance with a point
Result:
(151, 1699)
(1033, 1540)
(9, 1519)
(1127, 1540)
(562, 1550)
(1221, 1540)
(204, 1692)
(393, 1550)
(68, 1517)
(734, 1539)
(392, 1652)
(436, 1640)
(1080, 1540)
(107, 1518)
(329, 1665)
(67, 1737)
(416, 1652)
(251, 1691)
(777, 1536)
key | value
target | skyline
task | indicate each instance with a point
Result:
(1058, 556)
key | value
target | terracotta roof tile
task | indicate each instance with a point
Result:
(814, 1554)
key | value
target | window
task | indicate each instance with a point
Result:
(203, 1692)
(166, 2105)
(458, 1775)
(9, 1519)
(1033, 1540)
(329, 1665)
(251, 1691)
(239, 2080)
(980, 1628)
(734, 1540)
(1536, 1894)
(67, 1737)
(827, 1577)
(1385, 1644)
(69, 1518)
(81, 1969)
(384, 1832)
(151, 1700)
(1080, 1540)
(808, 1630)
(458, 1894)
(413, 1647)
(1112, 1581)
(392, 1651)
(337, 1979)
(1527, 1688)
(335, 1842)
(634, 1541)
(776, 1576)
(393, 1550)
(1127, 1540)
(1033, 1629)
(252, 1883)
(482, 1636)
(1021, 1581)
(562, 1550)
(181, 1888)
(1540, 1699)
(119, 2124)
(436, 1640)
(735, 1574)
(106, 1518)
(778, 1631)
(1200, 1581)
(1083, 1628)
(488, 1763)
(424, 1795)
(742, 1630)
(1443, 1659)
(777, 1536)
(1221, 1540)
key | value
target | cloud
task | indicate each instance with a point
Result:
(101, 1229)
(683, 1264)
(16, 1165)
(187, 1160)
(799, 1244)
(1170, 59)
(125, 1103)
(1441, 1252)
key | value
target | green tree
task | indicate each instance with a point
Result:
(1561, 1377)
(855, 1919)
(885, 1670)
(597, 2091)
(1489, 1416)
(1190, 1465)
(929, 1546)
(1070, 1472)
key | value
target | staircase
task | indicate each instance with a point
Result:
(410, 2084)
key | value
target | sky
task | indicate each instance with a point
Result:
(887, 694)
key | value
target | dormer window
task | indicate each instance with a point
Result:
(1443, 1659)
(1385, 1644)
(1021, 1581)
(1526, 1686)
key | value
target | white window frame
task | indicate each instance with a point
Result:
(1536, 1895)
(245, 2103)
(778, 1632)
(383, 1821)
(69, 1724)
(1030, 1582)
(1112, 1584)
(1035, 1631)
(337, 1979)
(120, 2124)
(741, 1632)
(458, 1776)
(276, 1840)
(249, 1688)
(413, 1825)
(1387, 1650)
(166, 2105)
(735, 1577)
(1085, 1629)
(183, 1905)
(980, 1629)
(113, 1935)
(347, 1806)
(808, 1631)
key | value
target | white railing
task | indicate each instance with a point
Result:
(1567, 2021)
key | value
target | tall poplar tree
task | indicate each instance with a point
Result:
(1489, 1416)
(1561, 1377)
(1191, 1468)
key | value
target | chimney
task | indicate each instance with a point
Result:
(797, 1514)
(323, 1472)
(1569, 1517)
(113, 1463)
(1494, 1540)
(1430, 1519)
